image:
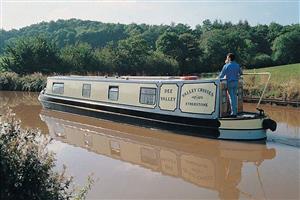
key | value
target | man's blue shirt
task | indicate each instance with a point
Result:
(232, 71)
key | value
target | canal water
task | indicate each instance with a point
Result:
(131, 162)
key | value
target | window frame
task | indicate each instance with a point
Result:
(109, 92)
(155, 95)
(60, 91)
(83, 89)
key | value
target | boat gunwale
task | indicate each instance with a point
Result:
(123, 80)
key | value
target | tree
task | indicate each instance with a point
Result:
(64, 37)
(274, 31)
(213, 43)
(190, 53)
(198, 31)
(152, 34)
(260, 39)
(100, 38)
(159, 64)
(134, 29)
(183, 48)
(131, 55)
(207, 25)
(286, 48)
(32, 54)
(218, 43)
(169, 44)
(198, 49)
(107, 56)
(180, 29)
(79, 58)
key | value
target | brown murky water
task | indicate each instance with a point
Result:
(134, 162)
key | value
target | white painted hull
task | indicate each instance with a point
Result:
(242, 129)
(243, 134)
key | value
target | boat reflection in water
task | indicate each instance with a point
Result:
(207, 163)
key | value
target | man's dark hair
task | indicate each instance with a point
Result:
(231, 56)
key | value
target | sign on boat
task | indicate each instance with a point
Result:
(195, 105)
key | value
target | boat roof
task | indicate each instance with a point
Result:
(134, 78)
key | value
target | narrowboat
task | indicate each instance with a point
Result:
(199, 106)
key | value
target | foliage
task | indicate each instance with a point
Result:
(79, 58)
(26, 166)
(261, 60)
(169, 44)
(286, 47)
(190, 54)
(131, 55)
(159, 64)
(9, 81)
(84, 47)
(32, 54)
(183, 48)
(107, 57)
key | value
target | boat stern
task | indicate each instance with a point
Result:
(247, 126)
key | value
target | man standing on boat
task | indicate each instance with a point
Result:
(231, 72)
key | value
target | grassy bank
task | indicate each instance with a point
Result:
(281, 74)
(284, 84)
(14, 82)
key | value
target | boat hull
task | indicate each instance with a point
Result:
(256, 134)
(229, 129)
(242, 129)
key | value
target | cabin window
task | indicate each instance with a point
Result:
(86, 90)
(113, 93)
(147, 96)
(58, 88)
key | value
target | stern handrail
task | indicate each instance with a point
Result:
(261, 73)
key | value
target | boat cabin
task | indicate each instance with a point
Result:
(186, 96)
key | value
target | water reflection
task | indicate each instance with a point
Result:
(206, 163)
(13, 99)
(25, 106)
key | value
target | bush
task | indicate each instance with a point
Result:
(34, 82)
(261, 60)
(9, 81)
(26, 166)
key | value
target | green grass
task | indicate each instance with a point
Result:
(284, 83)
(281, 74)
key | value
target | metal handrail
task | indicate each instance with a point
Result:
(261, 73)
